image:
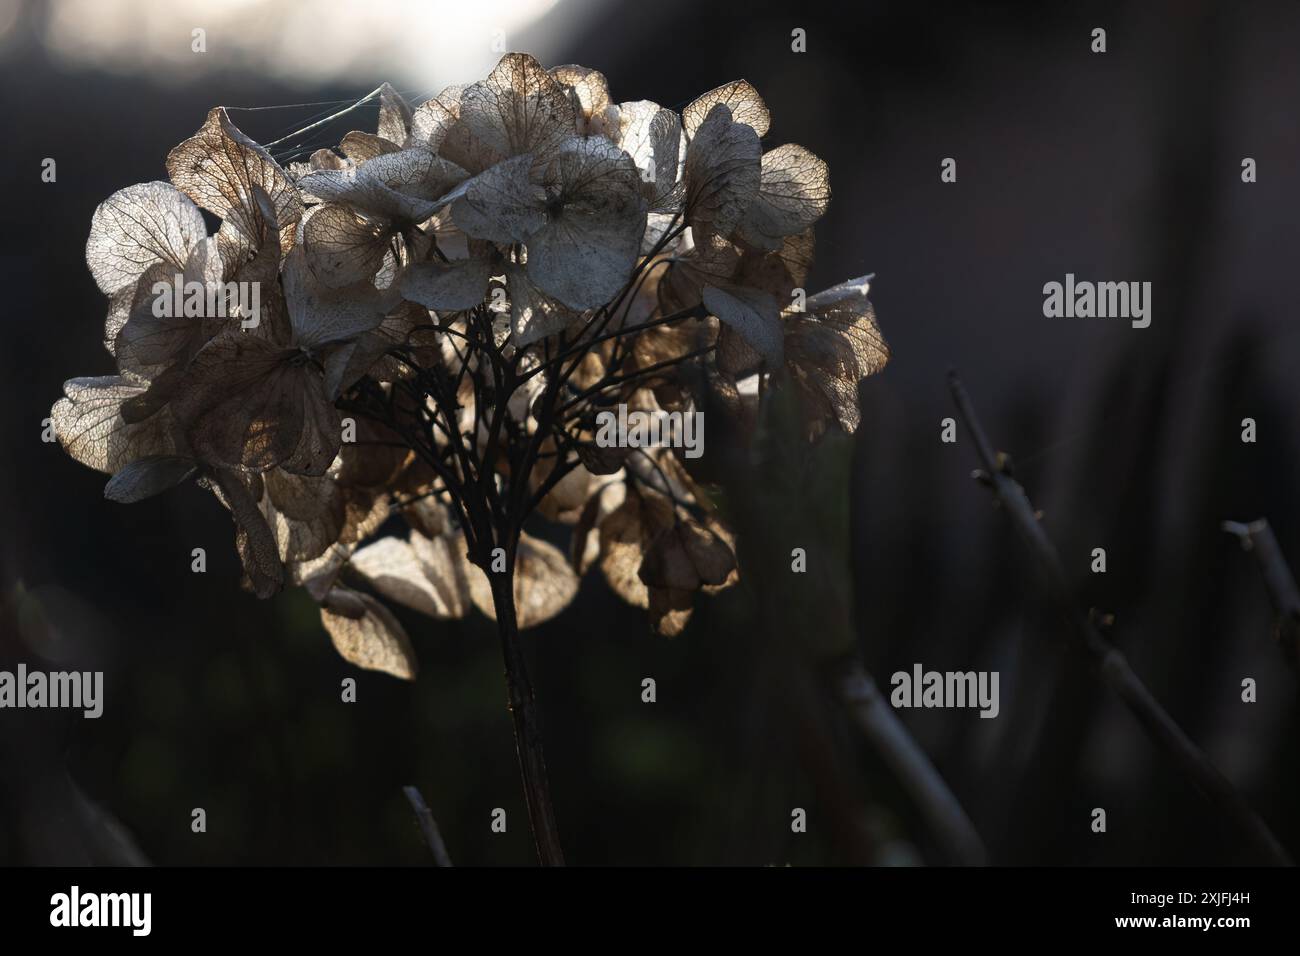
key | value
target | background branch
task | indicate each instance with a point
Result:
(1111, 663)
(428, 826)
(1257, 537)
(877, 721)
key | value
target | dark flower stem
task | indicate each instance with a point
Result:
(523, 713)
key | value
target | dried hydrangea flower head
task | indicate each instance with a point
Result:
(429, 322)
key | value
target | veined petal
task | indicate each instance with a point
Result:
(753, 314)
(741, 100)
(372, 641)
(794, 193)
(138, 227)
(723, 173)
(218, 167)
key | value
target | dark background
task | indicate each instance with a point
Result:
(1122, 166)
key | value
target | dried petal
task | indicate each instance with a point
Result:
(595, 220)
(544, 583)
(518, 109)
(741, 100)
(422, 574)
(375, 641)
(533, 314)
(753, 314)
(342, 248)
(319, 314)
(359, 147)
(794, 194)
(652, 136)
(140, 226)
(405, 185)
(501, 204)
(248, 403)
(90, 427)
(722, 174)
(453, 286)
(394, 115)
(832, 348)
(263, 572)
(589, 88)
(149, 476)
(218, 167)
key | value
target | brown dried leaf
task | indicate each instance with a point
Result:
(544, 583)
(832, 348)
(375, 641)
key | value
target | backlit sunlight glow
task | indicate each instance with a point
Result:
(423, 44)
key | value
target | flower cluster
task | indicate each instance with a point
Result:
(445, 306)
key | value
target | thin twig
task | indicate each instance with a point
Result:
(886, 733)
(428, 826)
(1258, 538)
(1111, 664)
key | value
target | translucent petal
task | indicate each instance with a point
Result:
(248, 403)
(149, 476)
(394, 115)
(519, 108)
(418, 573)
(753, 314)
(453, 286)
(533, 314)
(832, 348)
(90, 427)
(544, 583)
(502, 203)
(320, 314)
(404, 185)
(741, 99)
(652, 136)
(374, 641)
(722, 174)
(794, 193)
(138, 227)
(595, 219)
(218, 167)
(342, 248)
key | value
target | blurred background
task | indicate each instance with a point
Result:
(1122, 166)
